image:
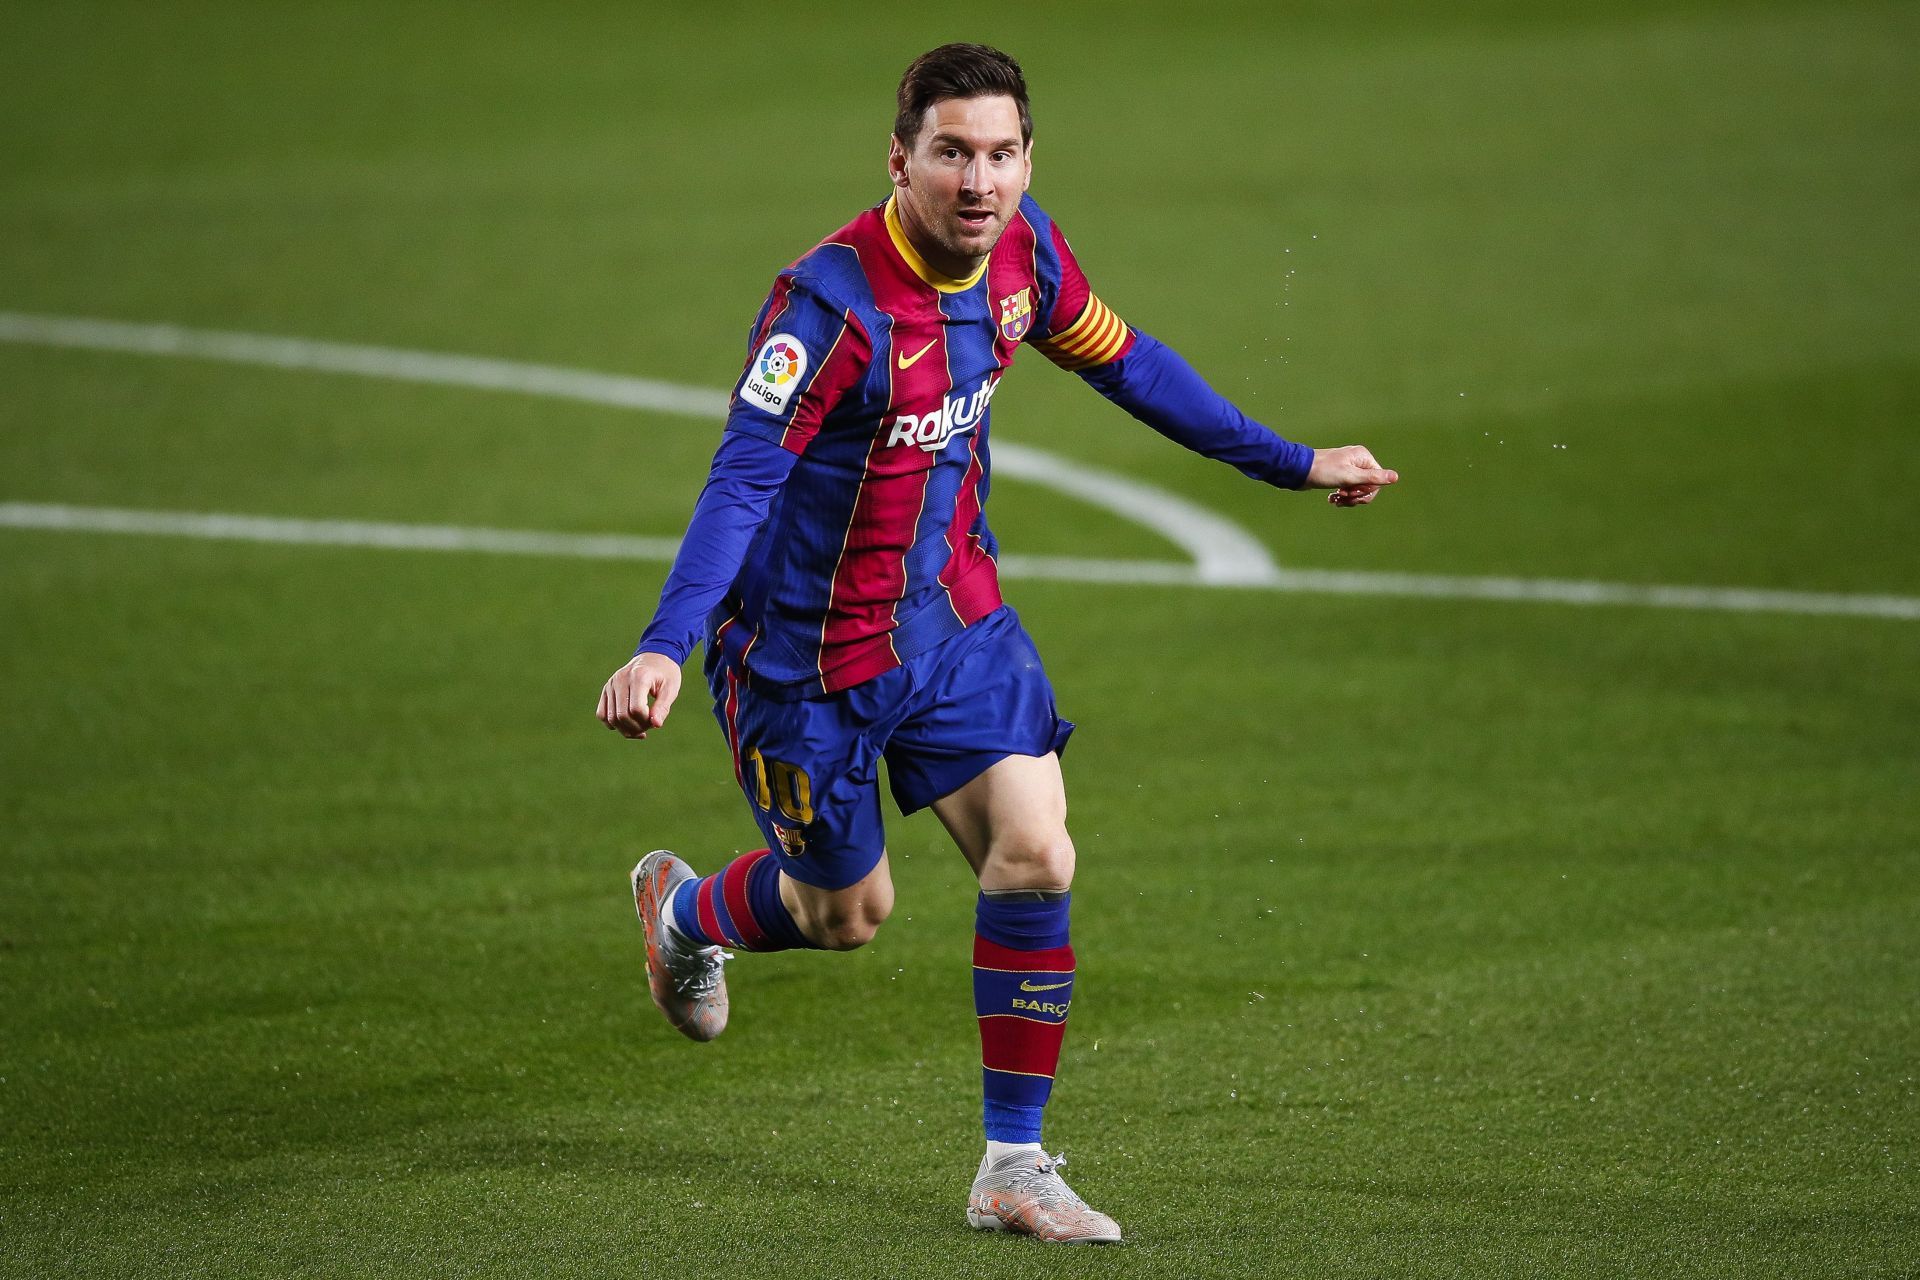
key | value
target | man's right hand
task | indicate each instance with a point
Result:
(1351, 472)
(638, 696)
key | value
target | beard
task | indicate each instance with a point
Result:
(952, 235)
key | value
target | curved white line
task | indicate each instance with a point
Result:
(392, 363)
(224, 527)
(420, 537)
(1222, 552)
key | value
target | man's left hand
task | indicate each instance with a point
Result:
(1352, 472)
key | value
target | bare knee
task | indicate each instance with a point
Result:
(851, 923)
(1029, 860)
(844, 919)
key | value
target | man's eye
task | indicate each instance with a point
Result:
(949, 153)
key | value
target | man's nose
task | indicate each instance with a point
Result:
(978, 179)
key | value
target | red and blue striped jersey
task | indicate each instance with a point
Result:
(878, 372)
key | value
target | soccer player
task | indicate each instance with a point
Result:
(840, 570)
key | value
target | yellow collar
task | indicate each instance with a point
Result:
(921, 268)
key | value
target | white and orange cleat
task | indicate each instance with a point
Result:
(686, 981)
(1024, 1192)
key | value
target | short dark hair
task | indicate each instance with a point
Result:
(958, 71)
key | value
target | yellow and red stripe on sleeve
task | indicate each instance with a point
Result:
(1097, 337)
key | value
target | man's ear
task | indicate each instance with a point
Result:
(1027, 182)
(896, 162)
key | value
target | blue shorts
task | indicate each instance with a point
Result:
(810, 767)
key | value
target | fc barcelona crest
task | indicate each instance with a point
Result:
(792, 839)
(1016, 315)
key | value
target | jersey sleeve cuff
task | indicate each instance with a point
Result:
(1293, 465)
(675, 647)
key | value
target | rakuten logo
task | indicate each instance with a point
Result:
(959, 414)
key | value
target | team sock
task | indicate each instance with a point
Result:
(738, 906)
(1022, 985)
(998, 1151)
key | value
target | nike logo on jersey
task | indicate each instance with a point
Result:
(1044, 986)
(908, 361)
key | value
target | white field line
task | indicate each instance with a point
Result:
(367, 362)
(1222, 552)
(220, 527)
(416, 537)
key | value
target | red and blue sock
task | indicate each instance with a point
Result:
(1022, 985)
(738, 906)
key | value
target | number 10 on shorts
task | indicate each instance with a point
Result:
(779, 785)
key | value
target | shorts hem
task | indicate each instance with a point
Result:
(912, 800)
(809, 870)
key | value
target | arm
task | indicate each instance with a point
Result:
(807, 352)
(1153, 383)
(1148, 379)
(747, 471)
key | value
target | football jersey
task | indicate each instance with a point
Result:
(878, 373)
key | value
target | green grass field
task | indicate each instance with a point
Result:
(1418, 937)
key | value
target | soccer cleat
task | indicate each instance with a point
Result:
(685, 980)
(1025, 1193)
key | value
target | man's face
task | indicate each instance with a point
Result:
(961, 183)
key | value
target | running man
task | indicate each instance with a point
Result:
(840, 570)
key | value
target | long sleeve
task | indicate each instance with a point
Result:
(806, 350)
(1154, 384)
(747, 471)
(1147, 378)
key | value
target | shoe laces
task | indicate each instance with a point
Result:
(696, 971)
(1039, 1177)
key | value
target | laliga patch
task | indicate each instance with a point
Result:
(774, 373)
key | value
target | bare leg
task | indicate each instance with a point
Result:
(841, 919)
(1011, 824)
